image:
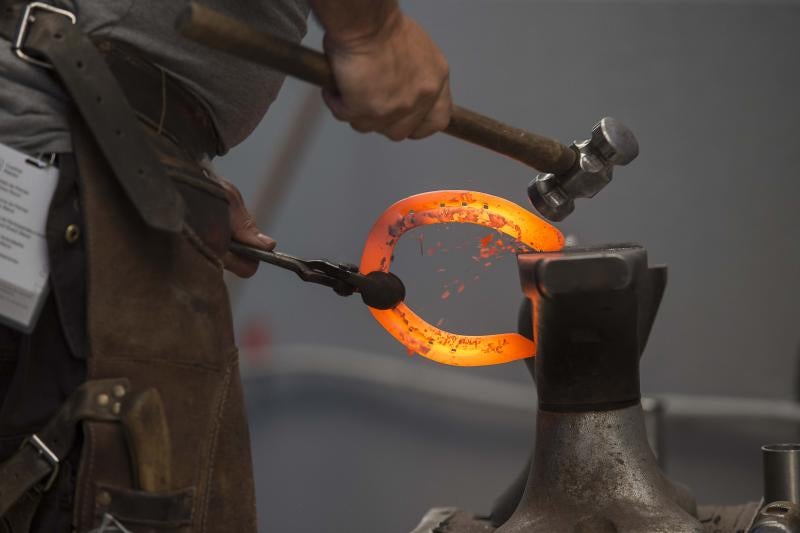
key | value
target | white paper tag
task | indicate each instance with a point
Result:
(26, 190)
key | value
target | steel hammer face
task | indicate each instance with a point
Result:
(612, 143)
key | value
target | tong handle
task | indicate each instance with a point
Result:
(381, 290)
(289, 262)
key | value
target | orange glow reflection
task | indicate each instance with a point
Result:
(463, 207)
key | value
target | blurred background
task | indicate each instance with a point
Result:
(350, 434)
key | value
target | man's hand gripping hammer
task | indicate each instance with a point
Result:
(569, 172)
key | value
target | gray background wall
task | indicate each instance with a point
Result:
(710, 88)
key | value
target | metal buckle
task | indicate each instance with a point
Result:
(42, 160)
(28, 18)
(48, 455)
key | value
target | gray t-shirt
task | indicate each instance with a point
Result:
(237, 93)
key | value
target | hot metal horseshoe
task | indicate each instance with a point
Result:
(462, 207)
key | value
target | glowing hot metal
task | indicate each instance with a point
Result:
(463, 207)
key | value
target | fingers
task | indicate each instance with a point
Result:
(439, 116)
(250, 235)
(244, 230)
(430, 114)
(404, 126)
(396, 83)
(366, 114)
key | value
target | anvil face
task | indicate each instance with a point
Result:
(592, 313)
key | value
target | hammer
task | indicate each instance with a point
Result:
(568, 172)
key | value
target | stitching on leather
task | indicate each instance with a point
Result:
(201, 247)
(225, 392)
(202, 184)
(85, 482)
(163, 99)
(87, 494)
(234, 356)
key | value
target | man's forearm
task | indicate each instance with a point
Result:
(354, 20)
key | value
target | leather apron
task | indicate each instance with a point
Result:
(158, 315)
(165, 442)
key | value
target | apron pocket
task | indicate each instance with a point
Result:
(145, 511)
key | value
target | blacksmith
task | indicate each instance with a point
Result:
(120, 399)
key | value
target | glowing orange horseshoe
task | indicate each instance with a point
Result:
(442, 207)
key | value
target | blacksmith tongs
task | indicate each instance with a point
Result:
(380, 290)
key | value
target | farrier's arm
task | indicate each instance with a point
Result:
(391, 76)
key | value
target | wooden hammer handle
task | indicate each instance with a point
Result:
(218, 31)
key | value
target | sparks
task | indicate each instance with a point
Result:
(463, 207)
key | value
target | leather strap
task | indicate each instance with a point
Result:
(53, 38)
(37, 459)
(164, 509)
(157, 98)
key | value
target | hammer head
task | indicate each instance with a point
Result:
(612, 143)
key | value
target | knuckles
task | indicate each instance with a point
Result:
(245, 226)
(232, 193)
(399, 88)
(439, 123)
(396, 135)
(362, 127)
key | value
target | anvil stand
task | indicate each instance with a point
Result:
(592, 469)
